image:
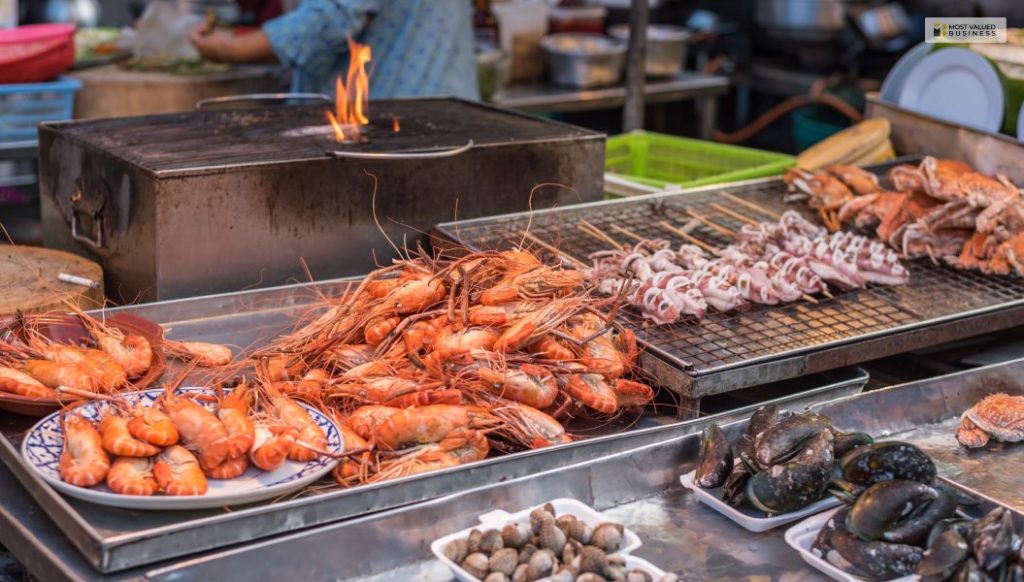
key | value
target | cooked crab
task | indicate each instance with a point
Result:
(998, 416)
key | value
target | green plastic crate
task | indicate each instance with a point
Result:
(658, 160)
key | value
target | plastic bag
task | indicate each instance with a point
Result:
(162, 31)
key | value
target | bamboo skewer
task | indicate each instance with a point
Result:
(597, 233)
(713, 226)
(735, 215)
(556, 251)
(751, 205)
(686, 236)
(629, 233)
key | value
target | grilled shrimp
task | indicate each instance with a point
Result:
(530, 384)
(233, 412)
(593, 392)
(349, 467)
(202, 353)
(365, 419)
(152, 425)
(132, 476)
(530, 427)
(426, 424)
(16, 382)
(229, 469)
(178, 472)
(293, 415)
(84, 462)
(54, 375)
(270, 448)
(118, 440)
(199, 428)
(131, 352)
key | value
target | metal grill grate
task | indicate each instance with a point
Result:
(723, 341)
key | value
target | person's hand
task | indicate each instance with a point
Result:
(211, 46)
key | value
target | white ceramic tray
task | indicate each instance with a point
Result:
(499, 518)
(750, 518)
(801, 537)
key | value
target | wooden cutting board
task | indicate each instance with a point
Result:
(28, 280)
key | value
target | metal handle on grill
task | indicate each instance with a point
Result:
(402, 155)
(87, 202)
(256, 97)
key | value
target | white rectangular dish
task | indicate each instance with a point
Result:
(801, 537)
(750, 518)
(499, 518)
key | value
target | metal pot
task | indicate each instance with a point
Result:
(582, 60)
(803, 21)
(666, 47)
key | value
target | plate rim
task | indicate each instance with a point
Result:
(180, 502)
(897, 75)
(929, 66)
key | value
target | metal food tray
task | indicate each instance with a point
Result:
(114, 539)
(640, 489)
(927, 412)
(728, 351)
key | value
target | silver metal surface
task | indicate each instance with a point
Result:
(114, 540)
(666, 47)
(234, 100)
(926, 413)
(258, 188)
(729, 351)
(638, 488)
(989, 152)
(583, 61)
(802, 21)
(354, 155)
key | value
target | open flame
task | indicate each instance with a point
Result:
(352, 95)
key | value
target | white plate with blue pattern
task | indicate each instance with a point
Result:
(45, 441)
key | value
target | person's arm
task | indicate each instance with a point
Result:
(224, 47)
(312, 36)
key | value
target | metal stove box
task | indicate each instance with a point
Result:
(203, 202)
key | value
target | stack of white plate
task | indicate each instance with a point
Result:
(954, 84)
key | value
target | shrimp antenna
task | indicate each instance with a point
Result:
(373, 209)
(529, 206)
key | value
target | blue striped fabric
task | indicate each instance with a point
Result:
(421, 48)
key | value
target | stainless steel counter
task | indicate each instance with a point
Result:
(539, 97)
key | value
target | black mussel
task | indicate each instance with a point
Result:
(715, 461)
(914, 528)
(959, 525)
(991, 538)
(786, 438)
(763, 418)
(886, 505)
(796, 483)
(886, 461)
(971, 572)
(734, 490)
(943, 557)
(843, 490)
(879, 560)
(847, 441)
(823, 543)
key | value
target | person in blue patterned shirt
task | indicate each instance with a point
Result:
(421, 48)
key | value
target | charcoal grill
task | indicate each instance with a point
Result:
(729, 351)
(210, 201)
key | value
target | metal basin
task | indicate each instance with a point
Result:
(583, 61)
(666, 48)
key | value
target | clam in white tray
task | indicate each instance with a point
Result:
(498, 519)
(753, 519)
(44, 443)
(801, 537)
